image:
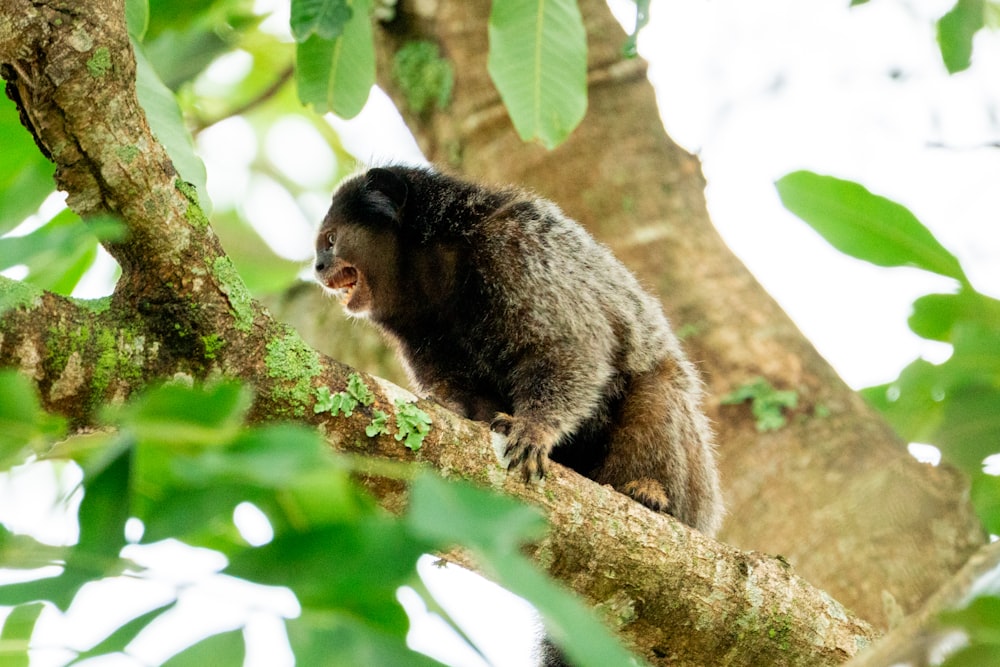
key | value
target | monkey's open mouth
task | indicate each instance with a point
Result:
(343, 283)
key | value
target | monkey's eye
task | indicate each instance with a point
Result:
(331, 238)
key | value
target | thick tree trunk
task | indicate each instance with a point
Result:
(834, 492)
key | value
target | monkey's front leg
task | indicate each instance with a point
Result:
(528, 444)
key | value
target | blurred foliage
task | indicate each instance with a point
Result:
(954, 405)
(767, 404)
(181, 461)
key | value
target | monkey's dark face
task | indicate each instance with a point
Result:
(357, 264)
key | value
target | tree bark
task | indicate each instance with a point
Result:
(835, 492)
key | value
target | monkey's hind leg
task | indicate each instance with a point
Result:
(660, 450)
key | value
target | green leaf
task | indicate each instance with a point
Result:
(864, 225)
(936, 316)
(167, 123)
(976, 655)
(353, 567)
(137, 18)
(16, 634)
(103, 513)
(423, 76)
(58, 253)
(25, 428)
(25, 174)
(221, 650)
(986, 499)
(970, 426)
(335, 639)
(955, 31)
(912, 402)
(573, 627)
(538, 61)
(325, 18)
(495, 525)
(337, 75)
(767, 404)
(179, 416)
(980, 619)
(123, 635)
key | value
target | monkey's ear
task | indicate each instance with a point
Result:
(390, 186)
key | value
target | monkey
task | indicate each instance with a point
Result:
(505, 310)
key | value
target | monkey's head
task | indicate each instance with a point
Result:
(357, 249)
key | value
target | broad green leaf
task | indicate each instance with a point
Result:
(183, 417)
(865, 225)
(355, 567)
(911, 403)
(124, 634)
(25, 174)
(103, 513)
(493, 524)
(335, 639)
(976, 655)
(16, 634)
(226, 649)
(167, 123)
(137, 18)
(986, 499)
(538, 62)
(955, 31)
(935, 316)
(324, 18)
(24, 427)
(337, 75)
(59, 252)
(572, 626)
(970, 426)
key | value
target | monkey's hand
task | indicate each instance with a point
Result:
(528, 444)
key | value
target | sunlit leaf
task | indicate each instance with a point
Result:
(355, 567)
(970, 426)
(16, 634)
(222, 650)
(59, 252)
(912, 402)
(865, 225)
(337, 75)
(124, 634)
(25, 174)
(336, 639)
(986, 499)
(538, 62)
(167, 123)
(137, 18)
(572, 626)
(24, 427)
(955, 31)
(935, 316)
(489, 522)
(179, 416)
(324, 18)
